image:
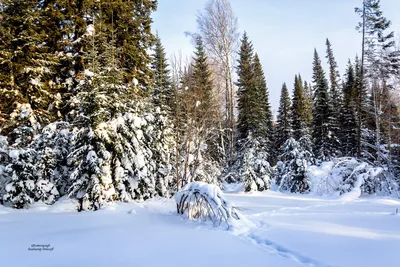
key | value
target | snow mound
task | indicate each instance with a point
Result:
(347, 176)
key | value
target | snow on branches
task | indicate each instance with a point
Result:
(202, 201)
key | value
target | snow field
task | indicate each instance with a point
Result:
(288, 230)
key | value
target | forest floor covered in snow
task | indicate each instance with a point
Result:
(286, 230)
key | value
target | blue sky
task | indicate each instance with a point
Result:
(284, 32)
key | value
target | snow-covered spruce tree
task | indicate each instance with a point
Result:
(17, 181)
(292, 167)
(37, 168)
(140, 146)
(122, 148)
(53, 146)
(251, 165)
(98, 99)
(4, 161)
(26, 65)
(20, 180)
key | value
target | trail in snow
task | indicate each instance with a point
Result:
(275, 248)
(314, 231)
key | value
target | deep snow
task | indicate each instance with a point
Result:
(287, 230)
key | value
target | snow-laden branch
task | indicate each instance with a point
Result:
(202, 201)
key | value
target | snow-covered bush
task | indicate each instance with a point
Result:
(350, 174)
(251, 166)
(292, 167)
(202, 201)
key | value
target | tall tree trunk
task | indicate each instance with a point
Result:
(361, 86)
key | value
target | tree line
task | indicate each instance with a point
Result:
(89, 113)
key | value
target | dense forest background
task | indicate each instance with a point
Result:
(92, 109)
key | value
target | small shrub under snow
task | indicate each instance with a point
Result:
(202, 201)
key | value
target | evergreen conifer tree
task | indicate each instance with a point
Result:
(299, 116)
(247, 93)
(348, 118)
(26, 65)
(163, 91)
(202, 84)
(335, 96)
(324, 140)
(284, 127)
(263, 107)
(308, 95)
(292, 169)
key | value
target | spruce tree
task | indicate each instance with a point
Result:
(132, 21)
(324, 140)
(263, 107)
(334, 95)
(26, 65)
(308, 95)
(162, 91)
(202, 85)
(292, 169)
(255, 127)
(334, 76)
(284, 127)
(299, 115)
(348, 118)
(246, 89)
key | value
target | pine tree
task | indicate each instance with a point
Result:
(284, 127)
(324, 140)
(299, 115)
(163, 91)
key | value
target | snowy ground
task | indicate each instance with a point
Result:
(289, 230)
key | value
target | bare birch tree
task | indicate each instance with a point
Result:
(218, 27)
